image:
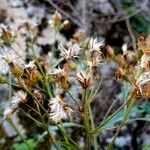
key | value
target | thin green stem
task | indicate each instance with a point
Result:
(18, 132)
(93, 126)
(10, 121)
(73, 98)
(110, 146)
(98, 129)
(66, 139)
(86, 120)
(12, 84)
(61, 128)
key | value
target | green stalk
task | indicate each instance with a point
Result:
(93, 126)
(110, 146)
(66, 139)
(73, 98)
(98, 129)
(10, 121)
(18, 132)
(86, 120)
(61, 128)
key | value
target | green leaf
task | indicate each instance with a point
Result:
(23, 146)
(147, 147)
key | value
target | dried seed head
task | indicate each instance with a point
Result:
(84, 78)
(144, 45)
(93, 45)
(56, 20)
(143, 84)
(145, 62)
(8, 112)
(69, 53)
(62, 78)
(30, 65)
(19, 97)
(79, 35)
(59, 109)
(119, 73)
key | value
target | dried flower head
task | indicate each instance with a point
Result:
(79, 35)
(93, 60)
(19, 97)
(8, 112)
(84, 78)
(62, 78)
(93, 45)
(11, 57)
(58, 109)
(143, 45)
(145, 61)
(56, 20)
(143, 84)
(31, 65)
(69, 53)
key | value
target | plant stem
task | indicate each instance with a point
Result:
(93, 126)
(86, 120)
(64, 132)
(10, 121)
(18, 132)
(110, 146)
(97, 129)
(73, 98)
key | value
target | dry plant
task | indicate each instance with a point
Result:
(59, 91)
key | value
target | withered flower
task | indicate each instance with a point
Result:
(69, 53)
(56, 20)
(143, 84)
(31, 65)
(93, 60)
(145, 62)
(144, 45)
(59, 110)
(19, 97)
(84, 78)
(8, 112)
(62, 78)
(79, 35)
(94, 45)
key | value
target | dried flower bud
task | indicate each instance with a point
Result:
(61, 76)
(110, 52)
(84, 78)
(79, 35)
(119, 73)
(66, 24)
(16, 70)
(2, 79)
(143, 84)
(38, 95)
